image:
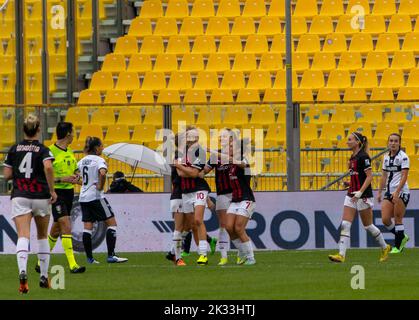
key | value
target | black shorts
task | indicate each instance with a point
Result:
(62, 207)
(404, 196)
(97, 210)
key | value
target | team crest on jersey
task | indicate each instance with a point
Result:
(397, 161)
(367, 162)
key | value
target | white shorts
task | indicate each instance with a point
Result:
(176, 205)
(361, 204)
(244, 208)
(223, 201)
(193, 199)
(38, 207)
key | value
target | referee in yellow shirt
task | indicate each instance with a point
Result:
(65, 167)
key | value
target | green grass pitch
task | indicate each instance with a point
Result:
(277, 275)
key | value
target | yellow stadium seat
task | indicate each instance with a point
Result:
(142, 96)
(362, 127)
(77, 116)
(183, 114)
(374, 24)
(244, 62)
(103, 117)
(118, 133)
(128, 81)
(254, 8)
(406, 93)
(277, 8)
(144, 133)
(192, 62)
(274, 95)
(343, 114)
(361, 43)
(312, 79)
(276, 132)
(411, 130)
(317, 114)
(376, 61)
(350, 61)
(167, 96)
(308, 132)
(414, 179)
(84, 28)
(102, 81)
(140, 27)
(8, 64)
(180, 80)
(126, 45)
(392, 79)
(298, 26)
(352, 6)
(370, 113)
(151, 9)
(57, 45)
(269, 26)
(195, 96)
(178, 45)
(218, 62)
(33, 64)
(256, 44)
(248, 95)
(114, 63)
(332, 8)
(192, 26)
(262, 115)
(9, 46)
(321, 25)
(228, 8)
(33, 97)
(8, 135)
(344, 25)
(235, 116)
(206, 80)
(129, 116)
(139, 63)
(410, 148)
(323, 61)
(302, 95)
(309, 43)
(33, 29)
(166, 63)
(8, 13)
(306, 8)
(221, 96)
(243, 26)
(381, 94)
(154, 81)
(209, 116)
(321, 144)
(232, 80)
(203, 9)
(300, 61)
(230, 44)
(115, 97)
(280, 79)
(340, 79)
(404, 60)
(384, 8)
(89, 97)
(259, 80)
(409, 7)
(153, 116)
(7, 97)
(278, 44)
(384, 129)
(328, 95)
(377, 143)
(400, 24)
(91, 130)
(397, 115)
(204, 45)
(218, 26)
(271, 62)
(152, 45)
(366, 79)
(177, 9)
(387, 42)
(166, 27)
(413, 80)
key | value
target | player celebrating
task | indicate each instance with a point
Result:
(29, 164)
(194, 189)
(359, 198)
(65, 167)
(93, 204)
(396, 197)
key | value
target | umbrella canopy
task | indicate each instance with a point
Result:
(138, 156)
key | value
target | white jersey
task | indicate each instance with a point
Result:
(89, 168)
(394, 166)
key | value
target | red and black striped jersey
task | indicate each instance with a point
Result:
(195, 158)
(27, 161)
(240, 184)
(358, 165)
(222, 175)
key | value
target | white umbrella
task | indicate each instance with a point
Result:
(138, 156)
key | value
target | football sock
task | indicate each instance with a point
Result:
(177, 243)
(43, 256)
(67, 242)
(345, 237)
(87, 243)
(22, 249)
(378, 236)
(399, 235)
(223, 242)
(187, 242)
(391, 228)
(52, 242)
(203, 247)
(111, 240)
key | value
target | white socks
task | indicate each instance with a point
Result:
(202, 248)
(378, 236)
(223, 241)
(345, 237)
(177, 244)
(43, 256)
(22, 249)
(238, 244)
(248, 250)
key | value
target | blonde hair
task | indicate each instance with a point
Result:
(31, 125)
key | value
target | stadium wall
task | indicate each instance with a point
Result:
(282, 220)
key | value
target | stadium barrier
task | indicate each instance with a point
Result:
(292, 220)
